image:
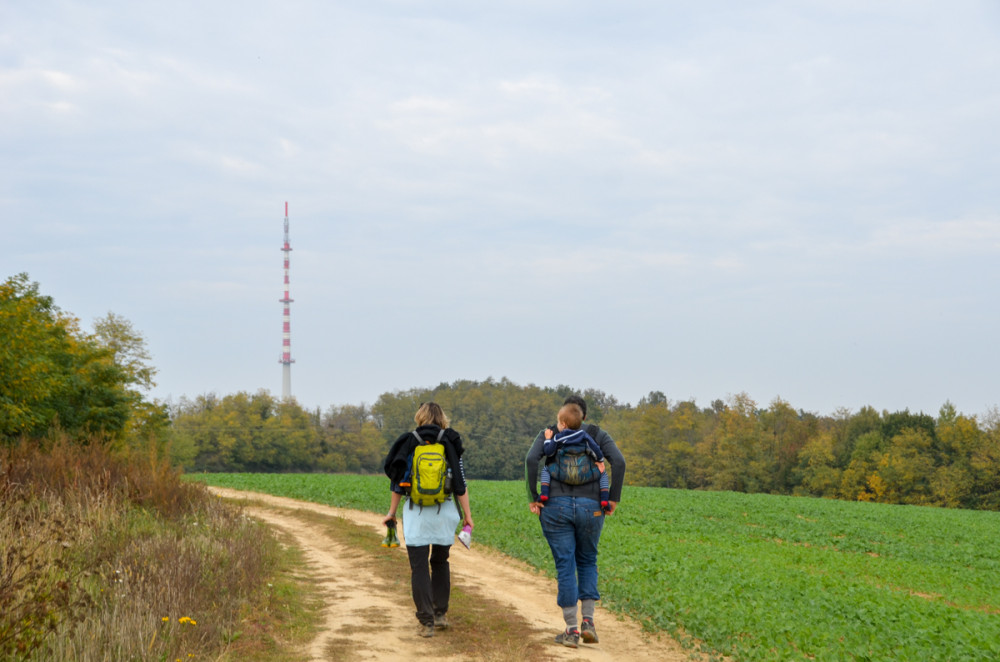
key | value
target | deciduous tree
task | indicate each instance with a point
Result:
(53, 375)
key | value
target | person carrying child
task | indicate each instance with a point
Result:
(570, 438)
(572, 519)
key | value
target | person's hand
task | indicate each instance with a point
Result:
(548, 433)
(611, 506)
(468, 520)
(387, 519)
(535, 507)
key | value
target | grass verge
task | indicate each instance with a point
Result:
(109, 557)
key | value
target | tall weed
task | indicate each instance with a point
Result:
(110, 557)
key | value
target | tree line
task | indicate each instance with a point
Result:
(900, 457)
(735, 444)
(56, 377)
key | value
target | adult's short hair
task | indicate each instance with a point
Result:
(579, 402)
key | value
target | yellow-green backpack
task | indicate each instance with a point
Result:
(429, 473)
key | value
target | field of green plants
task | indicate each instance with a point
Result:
(755, 577)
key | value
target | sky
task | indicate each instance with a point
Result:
(792, 199)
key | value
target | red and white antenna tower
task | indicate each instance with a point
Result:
(286, 331)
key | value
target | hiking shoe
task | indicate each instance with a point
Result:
(425, 630)
(570, 638)
(587, 632)
(440, 621)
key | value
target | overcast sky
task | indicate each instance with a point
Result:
(794, 199)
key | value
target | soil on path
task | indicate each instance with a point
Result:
(357, 598)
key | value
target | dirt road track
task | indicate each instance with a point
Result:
(357, 602)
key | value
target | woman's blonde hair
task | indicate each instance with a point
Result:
(430, 413)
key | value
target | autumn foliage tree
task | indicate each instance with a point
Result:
(497, 419)
(52, 375)
(733, 444)
(350, 441)
(244, 432)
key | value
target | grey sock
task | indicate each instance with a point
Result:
(569, 615)
(587, 608)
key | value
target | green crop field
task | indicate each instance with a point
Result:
(755, 577)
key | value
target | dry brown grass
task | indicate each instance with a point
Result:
(116, 558)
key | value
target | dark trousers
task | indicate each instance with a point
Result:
(431, 582)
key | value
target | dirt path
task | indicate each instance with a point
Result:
(358, 598)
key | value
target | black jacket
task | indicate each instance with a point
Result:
(398, 458)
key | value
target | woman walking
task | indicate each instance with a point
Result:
(428, 530)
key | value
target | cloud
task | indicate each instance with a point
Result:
(726, 180)
(953, 237)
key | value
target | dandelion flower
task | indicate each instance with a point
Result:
(165, 619)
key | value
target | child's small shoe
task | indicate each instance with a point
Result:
(604, 506)
(465, 537)
(543, 498)
(390, 539)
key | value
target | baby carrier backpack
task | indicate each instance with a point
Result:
(574, 465)
(429, 481)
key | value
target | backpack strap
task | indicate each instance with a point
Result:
(421, 439)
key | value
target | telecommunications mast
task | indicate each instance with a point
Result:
(286, 359)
